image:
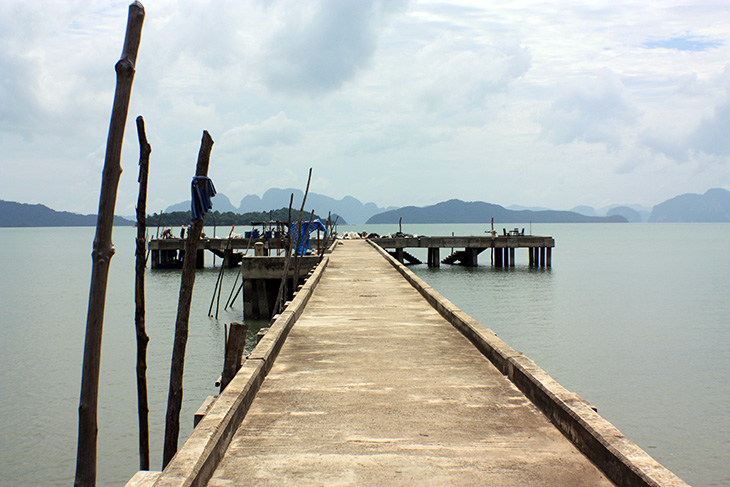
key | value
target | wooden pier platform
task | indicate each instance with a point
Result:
(368, 378)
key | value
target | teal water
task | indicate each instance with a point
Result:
(635, 318)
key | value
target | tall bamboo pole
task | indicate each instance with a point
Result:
(103, 250)
(139, 315)
(174, 398)
(281, 296)
(295, 279)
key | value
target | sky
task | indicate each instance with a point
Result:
(549, 104)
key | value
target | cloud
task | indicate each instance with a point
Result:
(712, 135)
(254, 142)
(458, 76)
(709, 136)
(594, 111)
(316, 50)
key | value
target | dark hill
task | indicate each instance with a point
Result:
(713, 206)
(457, 211)
(14, 214)
(630, 214)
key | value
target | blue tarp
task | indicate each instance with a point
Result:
(303, 236)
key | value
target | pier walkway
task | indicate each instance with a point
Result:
(369, 377)
(374, 387)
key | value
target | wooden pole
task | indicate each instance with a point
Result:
(235, 343)
(159, 220)
(227, 253)
(174, 398)
(139, 316)
(280, 297)
(295, 279)
(103, 250)
(231, 297)
(219, 281)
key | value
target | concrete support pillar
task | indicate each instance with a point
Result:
(199, 259)
(530, 256)
(399, 255)
(506, 257)
(471, 259)
(498, 257)
(512, 257)
(248, 299)
(542, 256)
(229, 259)
(155, 254)
(548, 257)
(433, 257)
(262, 299)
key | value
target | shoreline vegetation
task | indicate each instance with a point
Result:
(227, 219)
(712, 206)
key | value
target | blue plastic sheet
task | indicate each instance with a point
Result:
(303, 235)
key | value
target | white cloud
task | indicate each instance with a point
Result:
(477, 99)
(707, 136)
(319, 47)
(592, 111)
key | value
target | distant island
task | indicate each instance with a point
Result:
(712, 206)
(14, 214)
(457, 211)
(348, 208)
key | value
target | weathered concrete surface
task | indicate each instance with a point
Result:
(618, 457)
(374, 387)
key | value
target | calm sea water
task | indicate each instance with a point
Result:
(635, 318)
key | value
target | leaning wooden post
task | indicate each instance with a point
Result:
(295, 279)
(235, 343)
(281, 296)
(103, 250)
(139, 315)
(174, 398)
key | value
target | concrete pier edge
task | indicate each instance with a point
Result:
(196, 460)
(620, 459)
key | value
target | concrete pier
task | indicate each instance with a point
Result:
(370, 377)
(374, 387)
(539, 248)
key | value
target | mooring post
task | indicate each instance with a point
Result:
(235, 344)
